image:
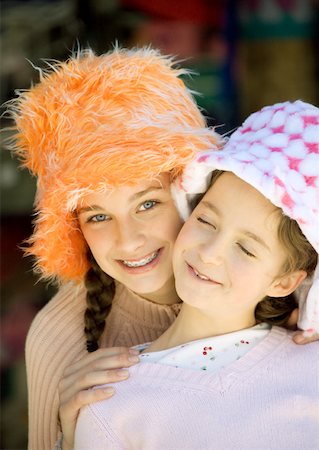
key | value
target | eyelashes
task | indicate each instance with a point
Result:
(201, 220)
(97, 218)
(244, 250)
(145, 206)
(240, 246)
(149, 204)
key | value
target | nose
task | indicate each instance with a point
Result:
(130, 237)
(212, 251)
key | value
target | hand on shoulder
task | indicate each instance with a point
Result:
(79, 385)
(300, 337)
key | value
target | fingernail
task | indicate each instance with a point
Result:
(134, 359)
(108, 391)
(133, 351)
(309, 333)
(122, 373)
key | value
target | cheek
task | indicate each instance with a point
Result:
(97, 240)
(250, 278)
(182, 244)
(170, 225)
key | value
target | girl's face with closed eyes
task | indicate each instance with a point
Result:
(228, 254)
(131, 232)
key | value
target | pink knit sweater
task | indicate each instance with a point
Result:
(56, 339)
(267, 400)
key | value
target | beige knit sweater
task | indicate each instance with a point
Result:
(56, 339)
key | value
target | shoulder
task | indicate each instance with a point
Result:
(69, 300)
(61, 317)
(307, 349)
(299, 358)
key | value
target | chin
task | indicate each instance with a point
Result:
(192, 296)
(149, 286)
(185, 294)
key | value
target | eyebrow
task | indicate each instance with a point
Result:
(247, 233)
(256, 238)
(85, 209)
(146, 191)
(133, 197)
(212, 207)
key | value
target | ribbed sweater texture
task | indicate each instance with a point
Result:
(267, 400)
(56, 339)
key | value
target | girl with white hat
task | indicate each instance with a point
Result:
(225, 375)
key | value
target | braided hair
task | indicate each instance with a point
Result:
(100, 293)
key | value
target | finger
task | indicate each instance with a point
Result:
(303, 337)
(91, 380)
(69, 411)
(99, 354)
(101, 364)
(101, 368)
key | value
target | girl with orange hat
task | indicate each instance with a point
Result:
(105, 136)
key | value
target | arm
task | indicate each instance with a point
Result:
(55, 344)
(55, 339)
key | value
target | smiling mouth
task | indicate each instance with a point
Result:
(201, 276)
(140, 262)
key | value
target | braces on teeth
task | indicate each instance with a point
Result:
(142, 262)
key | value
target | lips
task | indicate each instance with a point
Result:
(199, 275)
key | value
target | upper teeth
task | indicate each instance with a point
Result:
(141, 262)
(202, 277)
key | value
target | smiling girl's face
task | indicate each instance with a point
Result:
(228, 254)
(131, 232)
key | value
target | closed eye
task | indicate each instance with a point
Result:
(201, 220)
(244, 250)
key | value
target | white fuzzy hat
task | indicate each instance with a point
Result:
(276, 150)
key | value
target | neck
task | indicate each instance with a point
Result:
(167, 295)
(193, 324)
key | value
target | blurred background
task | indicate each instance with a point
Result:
(247, 54)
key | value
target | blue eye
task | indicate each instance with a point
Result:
(98, 218)
(149, 204)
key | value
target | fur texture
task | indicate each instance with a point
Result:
(94, 123)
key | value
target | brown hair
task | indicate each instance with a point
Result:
(300, 256)
(100, 292)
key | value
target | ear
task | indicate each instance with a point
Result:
(285, 285)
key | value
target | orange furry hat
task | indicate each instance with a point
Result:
(98, 122)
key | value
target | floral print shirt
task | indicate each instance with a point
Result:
(209, 354)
